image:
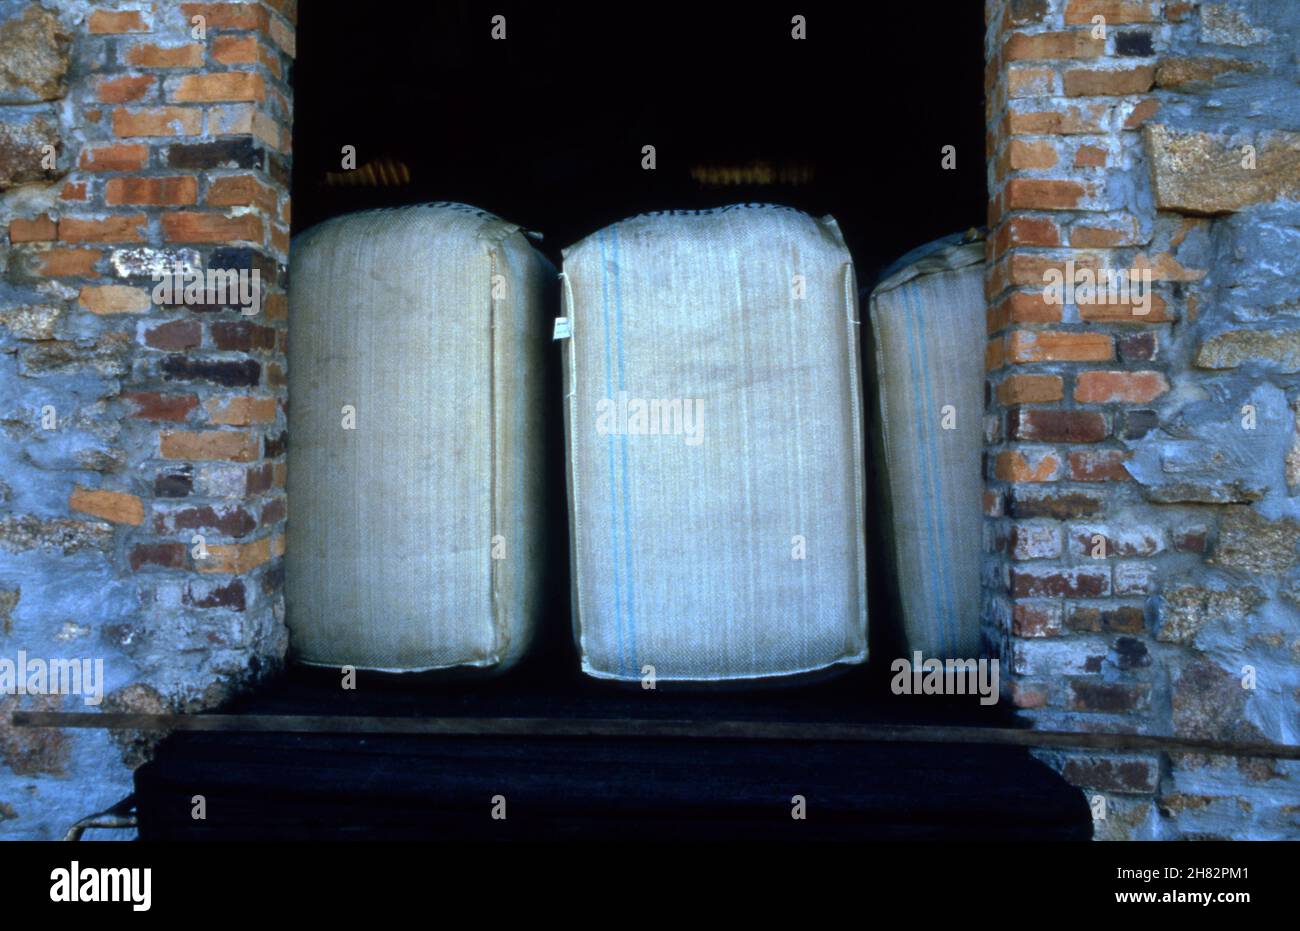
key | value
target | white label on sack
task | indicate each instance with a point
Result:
(563, 329)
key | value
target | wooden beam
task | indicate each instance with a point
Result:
(831, 731)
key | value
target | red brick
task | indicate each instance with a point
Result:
(241, 336)
(1157, 312)
(1077, 582)
(1090, 156)
(1099, 465)
(74, 191)
(1026, 231)
(127, 228)
(1056, 426)
(175, 335)
(68, 263)
(1042, 194)
(37, 229)
(241, 191)
(1126, 387)
(114, 158)
(1123, 619)
(245, 16)
(163, 555)
(1029, 619)
(126, 89)
(153, 405)
(158, 192)
(211, 227)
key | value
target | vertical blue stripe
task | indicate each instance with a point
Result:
(613, 503)
(923, 447)
(627, 523)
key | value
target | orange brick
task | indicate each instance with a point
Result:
(1023, 81)
(1081, 12)
(74, 190)
(1124, 387)
(68, 263)
(165, 56)
(107, 22)
(182, 189)
(1029, 155)
(1067, 120)
(276, 307)
(1037, 270)
(162, 121)
(211, 227)
(1024, 346)
(1031, 389)
(1026, 231)
(235, 50)
(1126, 312)
(241, 191)
(1088, 82)
(995, 354)
(1027, 466)
(1141, 113)
(246, 16)
(1029, 307)
(241, 411)
(225, 445)
(280, 238)
(127, 88)
(37, 229)
(1090, 156)
(114, 299)
(113, 506)
(114, 157)
(235, 558)
(1052, 45)
(1039, 194)
(129, 228)
(220, 86)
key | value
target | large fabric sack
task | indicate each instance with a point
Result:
(729, 544)
(928, 330)
(414, 539)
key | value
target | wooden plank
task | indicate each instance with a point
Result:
(647, 728)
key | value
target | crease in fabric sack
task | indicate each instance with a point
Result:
(928, 330)
(415, 539)
(730, 546)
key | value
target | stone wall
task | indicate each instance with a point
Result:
(141, 444)
(1142, 567)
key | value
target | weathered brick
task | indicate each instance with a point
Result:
(241, 16)
(1044, 194)
(1035, 619)
(109, 22)
(1022, 46)
(1031, 389)
(1099, 465)
(1059, 505)
(123, 228)
(211, 227)
(231, 373)
(1061, 582)
(1033, 541)
(160, 555)
(241, 191)
(1024, 346)
(219, 86)
(189, 55)
(114, 299)
(1056, 426)
(1121, 776)
(175, 335)
(1081, 12)
(121, 157)
(37, 229)
(1099, 387)
(179, 190)
(226, 153)
(235, 558)
(230, 595)
(1108, 697)
(228, 520)
(113, 506)
(160, 121)
(1023, 155)
(1090, 82)
(225, 445)
(241, 411)
(127, 88)
(1020, 465)
(1126, 619)
(153, 405)
(67, 263)
(242, 336)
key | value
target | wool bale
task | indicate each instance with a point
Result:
(928, 329)
(416, 425)
(714, 438)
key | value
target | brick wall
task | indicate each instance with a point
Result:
(135, 139)
(1141, 467)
